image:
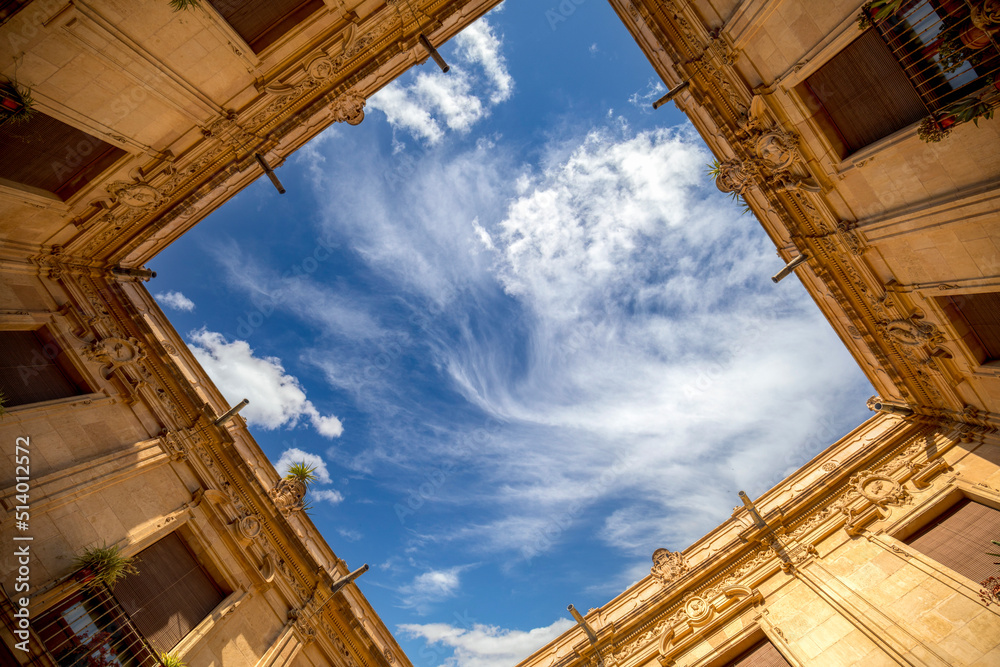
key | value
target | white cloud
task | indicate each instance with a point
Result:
(329, 495)
(644, 99)
(276, 399)
(176, 300)
(435, 101)
(432, 586)
(612, 310)
(291, 456)
(486, 645)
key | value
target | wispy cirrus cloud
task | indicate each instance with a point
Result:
(604, 304)
(433, 102)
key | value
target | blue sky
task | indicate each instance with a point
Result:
(521, 334)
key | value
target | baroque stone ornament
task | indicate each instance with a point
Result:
(697, 609)
(732, 177)
(135, 195)
(912, 331)
(288, 495)
(667, 566)
(349, 108)
(879, 489)
(777, 149)
(249, 526)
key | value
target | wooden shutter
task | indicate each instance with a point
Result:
(761, 654)
(262, 22)
(50, 155)
(981, 314)
(29, 371)
(960, 538)
(170, 595)
(865, 92)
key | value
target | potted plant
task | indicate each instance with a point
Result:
(16, 103)
(289, 493)
(171, 660)
(103, 565)
(178, 5)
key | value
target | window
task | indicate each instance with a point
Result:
(170, 595)
(263, 22)
(90, 628)
(960, 537)
(761, 654)
(30, 369)
(919, 59)
(50, 155)
(976, 318)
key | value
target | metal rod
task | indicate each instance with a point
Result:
(781, 275)
(757, 518)
(434, 54)
(270, 173)
(670, 94)
(582, 622)
(232, 412)
(893, 409)
(346, 579)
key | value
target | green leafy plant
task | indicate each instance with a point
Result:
(302, 472)
(171, 660)
(714, 171)
(982, 104)
(179, 5)
(3, 404)
(103, 565)
(16, 104)
(877, 10)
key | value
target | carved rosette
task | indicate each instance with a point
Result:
(249, 526)
(667, 566)
(288, 495)
(348, 108)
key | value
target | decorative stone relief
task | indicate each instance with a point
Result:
(349, 108)
(697, 609)
(231, 133)
(912, 331)
(733, 177)
(249, 526)
(879, 489)
(667, 566)
(288, 495)
(135, 195)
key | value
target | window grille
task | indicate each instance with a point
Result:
(91, 628)
(944, 54)
(916, 60)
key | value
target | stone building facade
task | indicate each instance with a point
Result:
(855, 559)
(145, 120)
(860, 138)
